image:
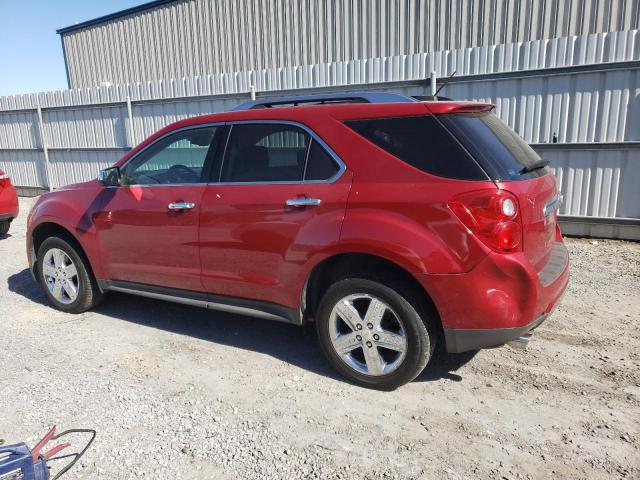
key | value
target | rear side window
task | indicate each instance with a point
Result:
(500, 150)
(320, 166)
(421, 142)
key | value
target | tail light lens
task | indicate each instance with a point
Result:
(5, 181)
(491, 215)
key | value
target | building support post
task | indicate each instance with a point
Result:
(45, 148)
(132, 140)
(432, 83)
(252, 90)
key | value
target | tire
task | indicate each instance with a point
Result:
(4, 228)
(403, 309)
(87, 295)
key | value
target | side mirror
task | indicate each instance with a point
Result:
(110, 177)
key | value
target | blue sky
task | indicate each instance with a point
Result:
(30, 50)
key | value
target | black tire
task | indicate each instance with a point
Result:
(418, 323)
(89, 294)
(4, 227)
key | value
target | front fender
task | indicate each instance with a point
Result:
(74, 210)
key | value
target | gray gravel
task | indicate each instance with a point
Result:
(178, 392)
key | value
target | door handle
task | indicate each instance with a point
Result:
(181, 206)
(303, 202)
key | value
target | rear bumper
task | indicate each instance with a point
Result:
(458, 340)
(501, 299)
(8, 203)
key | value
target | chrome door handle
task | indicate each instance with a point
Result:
(303, 202)
(181, 206)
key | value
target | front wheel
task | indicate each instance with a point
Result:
(375, 334)
(66, 277)
(4, 228)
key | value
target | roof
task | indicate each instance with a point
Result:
(113, 16)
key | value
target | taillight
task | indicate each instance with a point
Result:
(492, 215)
(5, 181)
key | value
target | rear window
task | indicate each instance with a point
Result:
(422, 142)
(500, 151)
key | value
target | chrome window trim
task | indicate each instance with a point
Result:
(341, 165)
(199, 184)
(172, 132)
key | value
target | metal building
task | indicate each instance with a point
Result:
(182, 38)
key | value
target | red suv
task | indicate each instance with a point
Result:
(8, 203)
(392, 223)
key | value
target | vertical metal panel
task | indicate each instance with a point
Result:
(599, 106)
(151, 117)
(96, 127)
(25, 167)
(534, 55)
(598, 183)
(590, 107)
(17, 130)
(200, 37)
(79, 165)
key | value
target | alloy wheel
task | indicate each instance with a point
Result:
(60, 276)
(367, 334)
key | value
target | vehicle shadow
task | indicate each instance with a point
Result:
(288, 343)
(443, 365)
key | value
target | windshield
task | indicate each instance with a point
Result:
(501, 152)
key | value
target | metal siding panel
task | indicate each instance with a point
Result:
(25, 167)
(199, 37)
(598, 182)
(86, 128)
(79, 165)
(587, 107)
(17, 130)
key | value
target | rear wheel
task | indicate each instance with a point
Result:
(4, 227)
(66, 277)
(375, 334)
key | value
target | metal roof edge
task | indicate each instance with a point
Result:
(112, 16)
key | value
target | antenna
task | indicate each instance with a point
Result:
(444, 84)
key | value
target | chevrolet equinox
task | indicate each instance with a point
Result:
(392, 223)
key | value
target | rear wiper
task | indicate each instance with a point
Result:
(534, 166)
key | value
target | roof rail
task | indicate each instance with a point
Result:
(354, 97)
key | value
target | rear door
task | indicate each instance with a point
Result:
(278, 201)
(148, 229)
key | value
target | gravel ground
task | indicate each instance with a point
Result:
(178, 392)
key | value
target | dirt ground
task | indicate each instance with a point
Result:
(178, 392)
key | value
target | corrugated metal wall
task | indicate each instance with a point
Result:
(586, 89)
(199, 37)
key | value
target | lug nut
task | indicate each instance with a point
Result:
(376, 337)
(358, 327)
(369, 326)
(359, 338)
(369, 344)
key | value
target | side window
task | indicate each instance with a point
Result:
(265, 153)
(176, 159)
(320, 166)
(423, 143)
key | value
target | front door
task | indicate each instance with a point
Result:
(280, 202)
(148, 229)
